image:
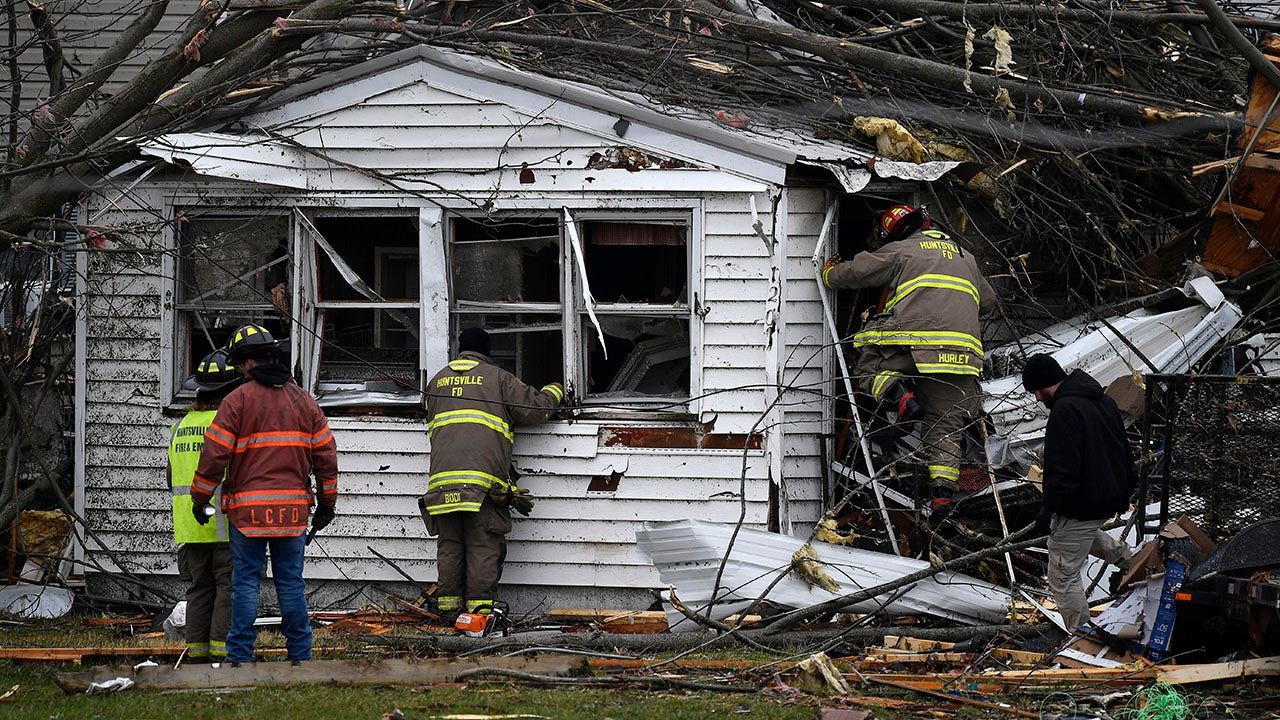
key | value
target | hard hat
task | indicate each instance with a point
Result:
(250, 341)
(215, 372)
(900, 221)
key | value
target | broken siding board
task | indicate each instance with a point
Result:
(142, 392)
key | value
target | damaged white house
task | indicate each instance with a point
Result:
(659, 264)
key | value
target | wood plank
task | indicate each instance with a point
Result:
(1248, 213)
(1212, 672)
(606, 616)
(910, 644)
(320, 672)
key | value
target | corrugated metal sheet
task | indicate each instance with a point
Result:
(688, 553)
(1172, 341)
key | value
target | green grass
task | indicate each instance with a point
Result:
(39, 698)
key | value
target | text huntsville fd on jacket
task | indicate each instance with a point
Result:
(472, 408)
(935, 294)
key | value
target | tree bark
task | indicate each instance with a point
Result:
(946, 76)
(65, 105)
(1054, 12)
(1258, 61)
(50, 46)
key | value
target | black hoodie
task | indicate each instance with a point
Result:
(1089, 472)
(271, 374)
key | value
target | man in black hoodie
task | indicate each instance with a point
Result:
(1089, 475)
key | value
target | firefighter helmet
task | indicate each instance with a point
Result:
(251, 341)
(215, 373)
(900, 221)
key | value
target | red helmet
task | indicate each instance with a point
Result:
(900, 221)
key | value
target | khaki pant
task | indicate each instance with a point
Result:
(1071, 542)
(207, 566)
(470, 550)
(948, 404)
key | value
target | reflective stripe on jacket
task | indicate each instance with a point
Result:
(472, 409)
(936, 293)
(270, 441)
(185, 441)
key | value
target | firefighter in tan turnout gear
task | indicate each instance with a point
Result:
(472, 406)
(922, 354)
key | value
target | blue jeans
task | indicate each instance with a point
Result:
(248, 558)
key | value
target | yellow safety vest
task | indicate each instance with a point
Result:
(185, 442)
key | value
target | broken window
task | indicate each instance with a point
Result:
(366, 309)
(231, 270)
(505, 275)
(618, 286)
(638, 277)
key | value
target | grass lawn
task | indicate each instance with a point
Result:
(39, 698)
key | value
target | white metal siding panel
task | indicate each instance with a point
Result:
(806, 357)
(735, 290)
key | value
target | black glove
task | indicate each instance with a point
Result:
(521, 502)
(200, 511)
(1043, 520)
(321, 517)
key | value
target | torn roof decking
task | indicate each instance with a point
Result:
(289, 140)
(1245, 230)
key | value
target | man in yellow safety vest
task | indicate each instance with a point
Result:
(204, 551)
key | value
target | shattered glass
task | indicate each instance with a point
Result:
(218, 257)
(647, 356)
(511, 260)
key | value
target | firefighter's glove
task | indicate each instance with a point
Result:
(202, 512)
(521, 502)
(833, 261)
(322, 517)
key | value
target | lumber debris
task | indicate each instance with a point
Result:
(629, 622)
(1213, 672)
(320, 672)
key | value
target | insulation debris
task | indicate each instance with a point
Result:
(807, 565)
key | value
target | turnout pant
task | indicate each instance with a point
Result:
(948, 404)
(1071, 542)
(249, 557)
(207, 567)
(470, 550)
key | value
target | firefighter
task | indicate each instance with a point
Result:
(204, 552)
(472, 406)
(274, 436)
(922, 353)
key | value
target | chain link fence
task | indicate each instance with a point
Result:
(1212, 451)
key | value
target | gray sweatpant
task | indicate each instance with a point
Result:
(1071, 542)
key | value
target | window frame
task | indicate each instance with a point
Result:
(178, 345)
(571, 309)
(308, 307)
(435, 274)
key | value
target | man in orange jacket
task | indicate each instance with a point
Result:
(273, 436)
